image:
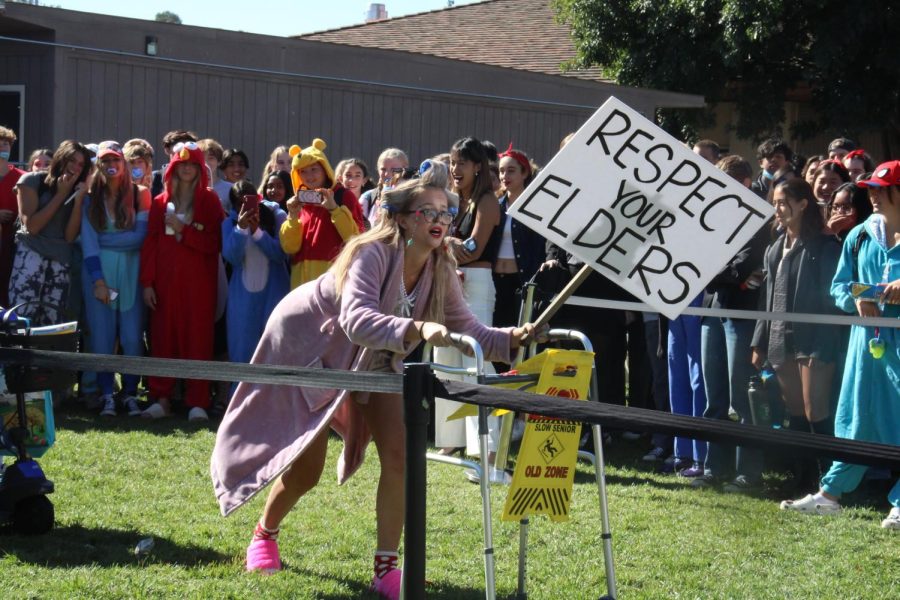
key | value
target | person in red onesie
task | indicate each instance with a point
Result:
(9, 210)
(179, 267)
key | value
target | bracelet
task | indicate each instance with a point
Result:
(419, 328)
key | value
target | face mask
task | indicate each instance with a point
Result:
(767, 175)
(137, 173)
(4, 155)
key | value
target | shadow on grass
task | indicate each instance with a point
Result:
(75, 546)
(359, 589)
(76, 418)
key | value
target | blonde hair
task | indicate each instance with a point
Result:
(388, 231)
(270, 167)
(392, 153)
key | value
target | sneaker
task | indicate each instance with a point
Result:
(197, 414)
(695, 470)
(389, 585)
(707, 480)
(740, 485)
(108, 404)
(674, 465)
(655, 455)
(262, 556)
(893, 519)
(809, 505)
(498, 476)
(131, 405)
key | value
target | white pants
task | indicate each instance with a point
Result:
(478, 288)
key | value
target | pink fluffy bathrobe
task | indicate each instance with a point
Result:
(268, 426)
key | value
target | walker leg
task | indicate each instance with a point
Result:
(523, 558)
(600, 475)
(489, 585)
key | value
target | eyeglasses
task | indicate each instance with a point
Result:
(843, 208)
(433, 216)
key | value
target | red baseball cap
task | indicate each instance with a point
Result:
(109, 147)
(886, 174)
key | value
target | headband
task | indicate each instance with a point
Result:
(860, 154)
(519, 158)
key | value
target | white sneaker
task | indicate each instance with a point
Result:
(131, 405)
(655, 455)
(809, 505)
(109, 406)
(893, 519)
(197, 414)
(498, 476)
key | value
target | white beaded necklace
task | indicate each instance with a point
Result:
(407, 299)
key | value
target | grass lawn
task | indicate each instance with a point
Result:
(121, 480)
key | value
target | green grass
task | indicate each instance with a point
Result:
(121, 480)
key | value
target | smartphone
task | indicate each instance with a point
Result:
(309, 197)
(113, 294)
(251, 203)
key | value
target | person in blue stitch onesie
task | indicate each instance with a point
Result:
(259, 279)
(114, 225)
(869, 404)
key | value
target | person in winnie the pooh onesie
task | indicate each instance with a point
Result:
(322, 215)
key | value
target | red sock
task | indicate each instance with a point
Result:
(261, 533)
(385, 562)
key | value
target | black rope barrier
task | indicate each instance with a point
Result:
(653, 421)
(356, 381)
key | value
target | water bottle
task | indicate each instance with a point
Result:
(170, 210)
(760, 409)
(773, 391)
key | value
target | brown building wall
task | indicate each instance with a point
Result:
(255, 92)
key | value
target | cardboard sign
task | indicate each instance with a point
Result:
(640, 208)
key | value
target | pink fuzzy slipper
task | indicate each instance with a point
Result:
(389, 585)
(262, 555)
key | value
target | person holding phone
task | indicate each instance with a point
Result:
(179, 275)
(322, 215)
(113, 228)
(391, 164)
(390, 289)
(259, 276)
(50, 220)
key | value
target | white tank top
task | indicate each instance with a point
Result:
(506, 243)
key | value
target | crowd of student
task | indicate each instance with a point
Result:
(190, 260)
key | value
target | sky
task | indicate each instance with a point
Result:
(271, 17)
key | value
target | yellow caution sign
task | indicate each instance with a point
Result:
(545, 469)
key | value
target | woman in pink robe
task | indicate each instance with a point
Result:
(390, 289)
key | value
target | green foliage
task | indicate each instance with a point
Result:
(167, 16)
(755, 53)
(122, 480)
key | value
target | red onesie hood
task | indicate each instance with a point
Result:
(187, 152)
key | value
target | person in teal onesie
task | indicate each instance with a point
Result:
(114, 225)
(869, 404)
(259, 276)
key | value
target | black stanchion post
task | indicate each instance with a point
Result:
(418, 396)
